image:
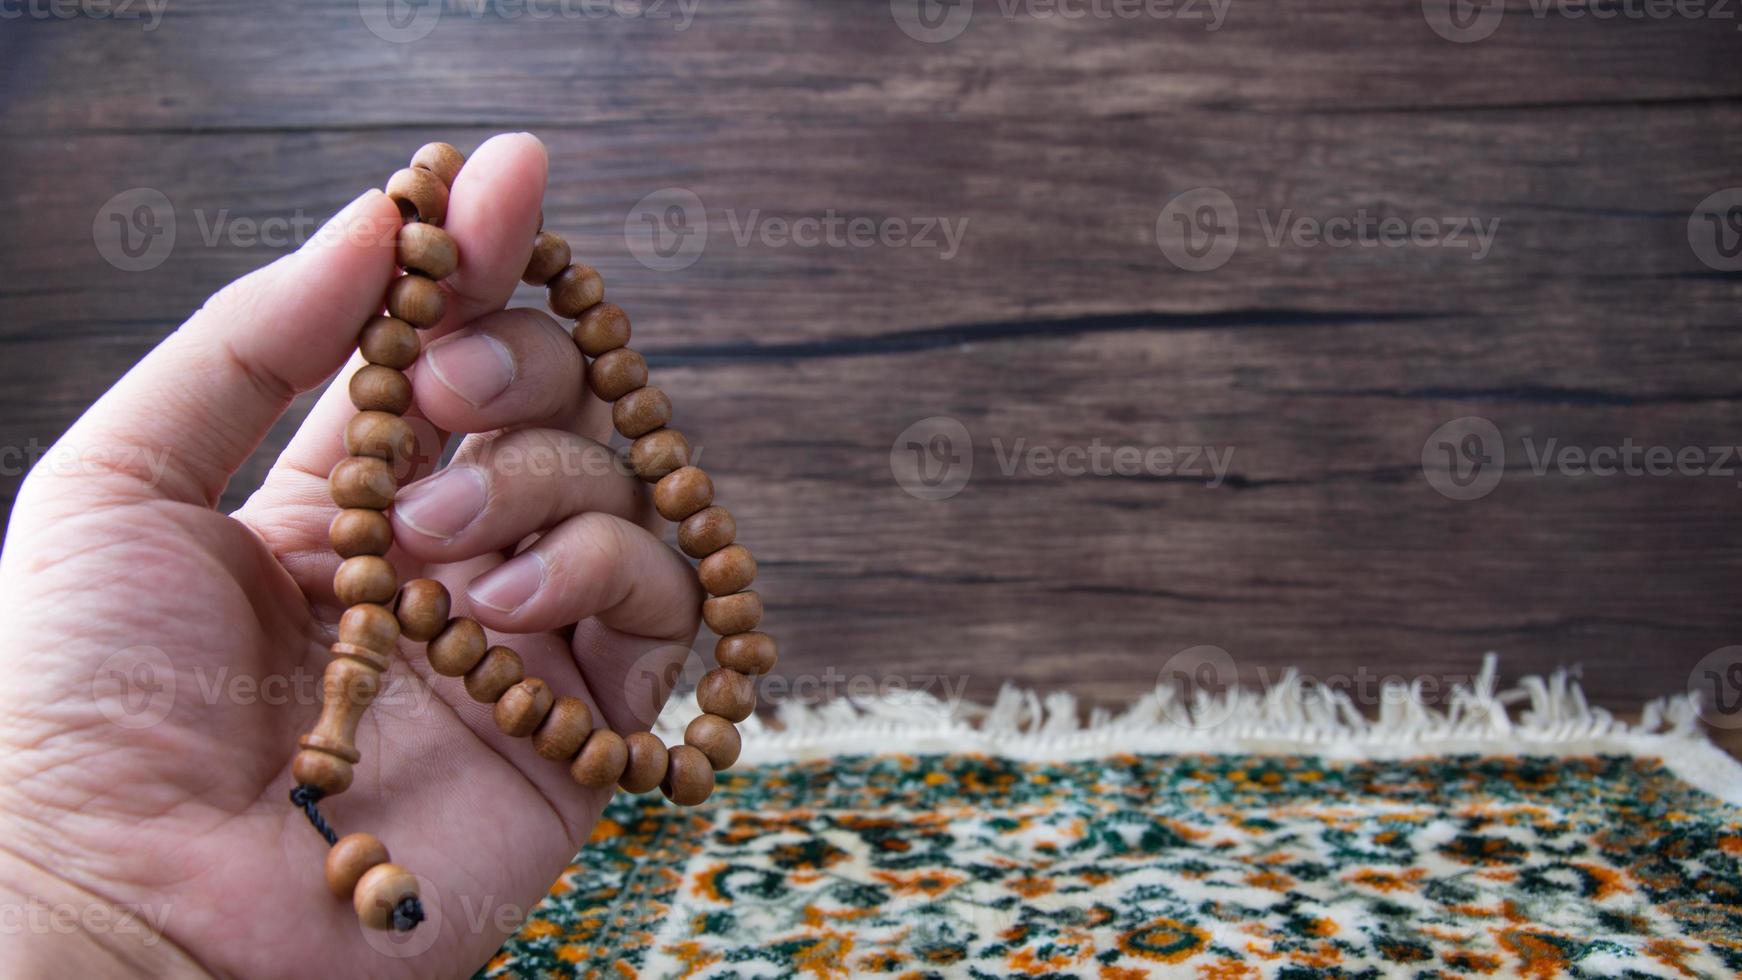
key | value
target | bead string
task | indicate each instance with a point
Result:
(380, 611)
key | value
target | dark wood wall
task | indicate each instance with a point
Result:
(1587, 144)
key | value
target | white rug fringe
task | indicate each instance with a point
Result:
(1539, 716)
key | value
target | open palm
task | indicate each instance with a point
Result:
(163, 658)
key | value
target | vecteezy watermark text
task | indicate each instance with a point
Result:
(406, 21)
(1469, 21)
(150, 11)
(1097, 458)
(1199, 230)
(668, 230)
(1465, 459)
(938, 21)
(33, 916)
(832, 230)
(933, 459)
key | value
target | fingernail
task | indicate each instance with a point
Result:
(443, 505)
(510, 585)
(477, 368)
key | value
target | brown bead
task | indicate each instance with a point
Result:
(380, 434)
(380, 891)
(522, 708)
(428, 251)
(682, 492)
(564, 730)
(689, 777)
(440, 159)
(575, 289)
(347, 689)
(550, 255)
(322, 770)
(369, 625)
(640, 412)
(457, 648)
(602, 759)
(417, 300)
(381, 389)
(747, 653)
(658, 453)
(603, 328)
(500, 670)
(423, 609)
(729, 570)
(705, 532)
(363, 481)
(350, 858)
(420, 194)
(646, 765)
(365, 578)
(717, 738)
(616, 373)
(359, 531)
(735, 613)
(389, 342)
(727, 693)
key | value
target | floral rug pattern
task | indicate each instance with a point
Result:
(1216, 867)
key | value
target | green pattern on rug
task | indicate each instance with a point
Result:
(1217, 867)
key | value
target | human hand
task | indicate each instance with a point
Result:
(186, 822)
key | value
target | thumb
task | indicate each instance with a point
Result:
(186, 417)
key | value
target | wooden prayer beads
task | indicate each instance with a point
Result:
(381, 611)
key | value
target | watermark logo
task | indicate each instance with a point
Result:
(655, 675)
(667, 230)
(134, 231)
(1463, 21)
(1716, 687)
(1199, 229)
(1465, 458)
(932, 21)
(1196, 676)
(400, 21)
(932, 459)
(1715, 230)
(135, 688)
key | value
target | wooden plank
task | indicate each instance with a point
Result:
(1057, 319)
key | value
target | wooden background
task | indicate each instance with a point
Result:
(1060, 321)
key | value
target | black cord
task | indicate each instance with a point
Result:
(306, 797)
(409, 912)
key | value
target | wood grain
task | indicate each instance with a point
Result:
(1058, 321)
